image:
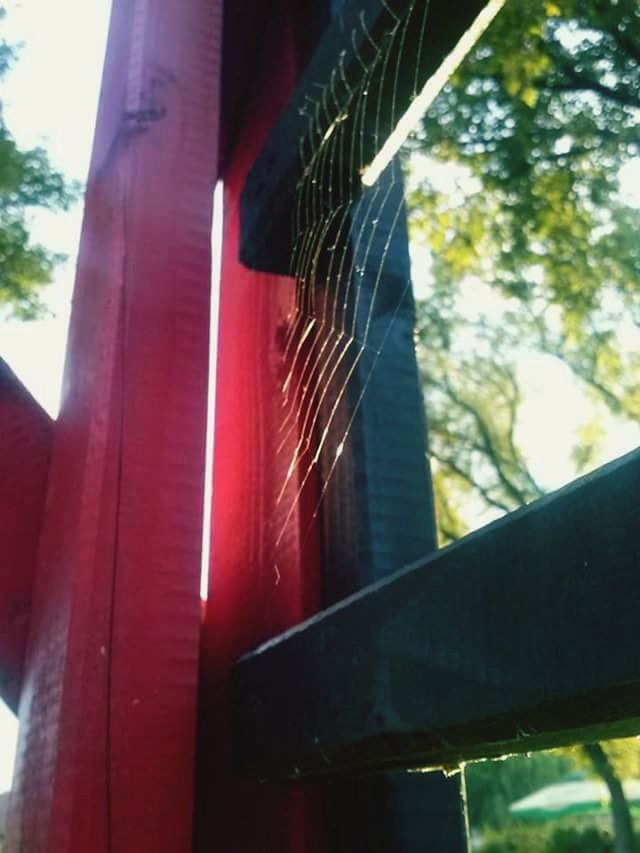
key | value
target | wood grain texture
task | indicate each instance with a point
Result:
(378, 507)
(108, 709)
(378, 511)
(26, 433)
(265, 552)
(521, 636)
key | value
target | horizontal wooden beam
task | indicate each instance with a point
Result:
(357, 52)
(522, 636)
(26, 435)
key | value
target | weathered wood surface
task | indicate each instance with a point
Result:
(378, 507)
(522, 636)
(246, 26)
(25, 447)
(348, 54)
(377, 512)
(396, 812)
(260, 584)
(108, 706)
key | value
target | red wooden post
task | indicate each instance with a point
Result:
(107, 712)
(25, 446)
(258, 586)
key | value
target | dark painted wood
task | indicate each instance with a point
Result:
(343, 61)
(245, 25)
(524, 635)
(397, 812)
(378, 511)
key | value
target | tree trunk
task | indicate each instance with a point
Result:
(622, 824)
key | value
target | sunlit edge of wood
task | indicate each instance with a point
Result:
(430, 91)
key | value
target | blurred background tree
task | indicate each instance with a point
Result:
(531, 247)
(27, 181)
(493, 785)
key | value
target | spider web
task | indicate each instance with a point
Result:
(347, 295)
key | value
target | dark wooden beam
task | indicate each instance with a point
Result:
(522, 636)
(343, 61)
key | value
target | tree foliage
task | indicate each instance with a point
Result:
(542, 114)
(517, 191)
(536, 125)
(27, 182)
(493, 785)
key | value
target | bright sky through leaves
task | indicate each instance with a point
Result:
(50, 99)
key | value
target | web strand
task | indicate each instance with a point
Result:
(339, 277)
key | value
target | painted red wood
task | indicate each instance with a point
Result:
(105, 756)
(257, 586)
(25, 447)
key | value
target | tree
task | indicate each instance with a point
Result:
(27, 181)
(536, 126)
(539, 122)
(474, 398)
(493, 785)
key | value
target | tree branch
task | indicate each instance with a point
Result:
(490, 449)
(622, 822)
(468, 478)
(583, 82)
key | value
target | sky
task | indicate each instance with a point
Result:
(50, 99)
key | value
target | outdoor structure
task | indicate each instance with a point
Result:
(149, 722)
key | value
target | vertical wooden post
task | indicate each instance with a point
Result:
(379, 516)
(106, 745)
(264, 559)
